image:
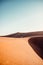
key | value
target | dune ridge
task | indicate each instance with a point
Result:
(21, 35)
(21, 50)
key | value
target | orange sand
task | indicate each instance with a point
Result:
(17, 51)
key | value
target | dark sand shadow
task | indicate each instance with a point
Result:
(37, 45)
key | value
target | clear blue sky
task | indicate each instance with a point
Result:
(21, 16)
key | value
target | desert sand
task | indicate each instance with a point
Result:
(17, 51)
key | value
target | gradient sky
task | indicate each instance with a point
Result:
(21, 16)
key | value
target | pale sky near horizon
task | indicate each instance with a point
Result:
(21, 16)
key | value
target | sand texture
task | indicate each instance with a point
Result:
(18, 51)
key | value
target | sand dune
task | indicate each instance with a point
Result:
(22, 35)
(18, 51)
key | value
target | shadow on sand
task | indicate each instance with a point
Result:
(37, 44)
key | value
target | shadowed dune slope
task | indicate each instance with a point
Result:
(37, 44)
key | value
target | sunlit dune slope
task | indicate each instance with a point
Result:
(17, 51)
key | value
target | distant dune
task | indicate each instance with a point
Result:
(21, 35)
(22, 49)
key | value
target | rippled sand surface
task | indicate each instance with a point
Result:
(17, 51)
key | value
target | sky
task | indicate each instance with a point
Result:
(21, 16)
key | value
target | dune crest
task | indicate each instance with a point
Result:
(21, 50)
(22, 35)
